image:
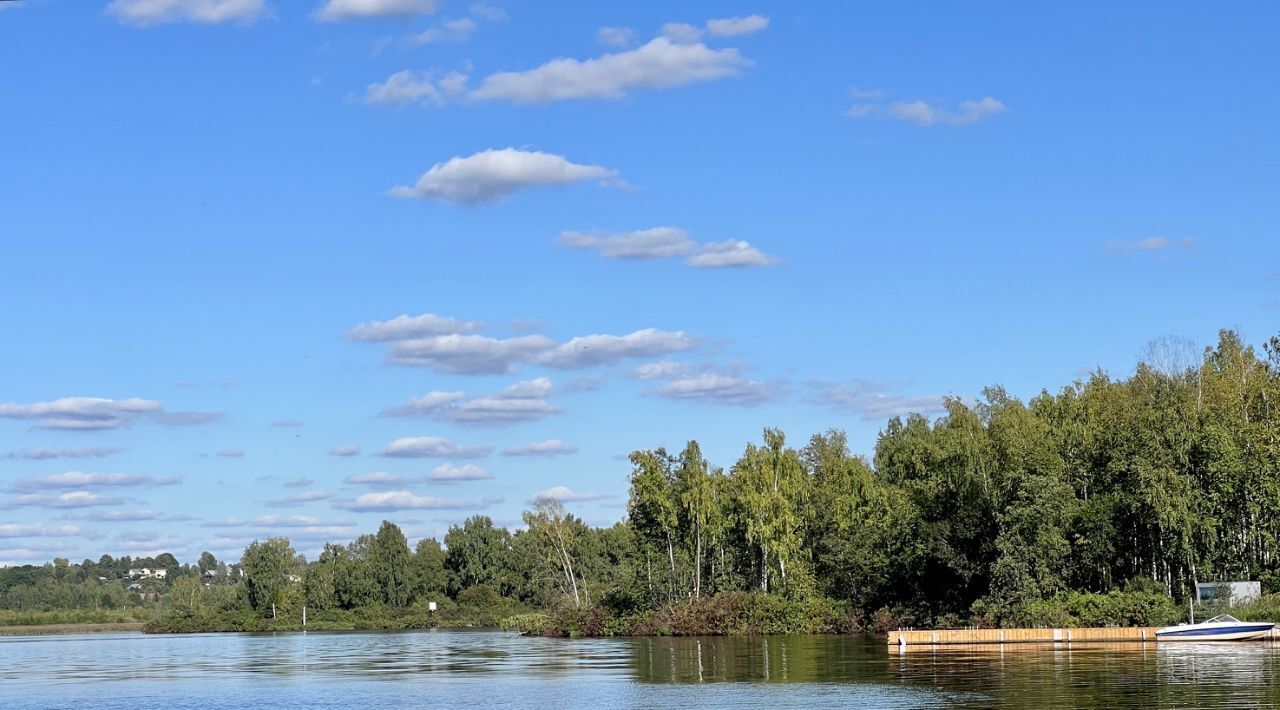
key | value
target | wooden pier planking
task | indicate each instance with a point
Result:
(946, 637)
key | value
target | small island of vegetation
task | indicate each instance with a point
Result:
(1101, 504)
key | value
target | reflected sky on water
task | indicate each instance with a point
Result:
(367, 671)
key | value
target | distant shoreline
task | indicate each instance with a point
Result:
(48, 629)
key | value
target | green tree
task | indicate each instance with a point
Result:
(267, 566)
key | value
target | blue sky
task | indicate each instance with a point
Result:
(607, 227)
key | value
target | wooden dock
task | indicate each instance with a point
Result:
(947, 637)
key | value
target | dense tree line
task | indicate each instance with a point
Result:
(1103, 502)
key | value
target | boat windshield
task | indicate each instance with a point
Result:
(1222, 619)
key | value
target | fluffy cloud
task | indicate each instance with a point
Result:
(654, 243)
(146, 13)
(591, 350)
(733, 26)
(549, 447)
(83, 412)
(345, 450)
(616, 36)
(299, 499)
(733, 253)
(565, 495)
(659, 64)
(666, 243)
(91, 413)
(495, 174)
(448, 472)
(377, 479)
(420, 447)
(458, 30)
(11, 530)
(73, 499)
(81, 479)
(718, 388)
(388, 501)
(873, 400)
(1121, 246)
(659, 370)
(409, 87)
(473, 354)
(86, 452)
(924, 113)
(521, 402)
(341, 10)
(298, 483)
(469, 354)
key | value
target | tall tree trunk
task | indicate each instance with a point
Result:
(697, 566)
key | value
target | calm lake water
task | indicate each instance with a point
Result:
(368, 671)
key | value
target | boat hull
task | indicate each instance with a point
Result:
(1238, 632)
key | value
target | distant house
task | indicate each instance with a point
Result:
(148, 573)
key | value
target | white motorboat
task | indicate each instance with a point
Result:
(1223, 627)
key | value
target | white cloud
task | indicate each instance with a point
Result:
(469, 354)
(681, 33)
(488, 12)
(377, 479)
(616, 36)
(345, 450)
(230, 454)
(408, 87)
(91, 413)
(659, 64)
(11, 530)
(387, 501)
(733, 26)
(405, 327)
(521, 402)
(653, 243)
(298, 499)
(82, 412)
(186, 418)
(86, 452)
(451, 31)
(73, 499)
(924, 113)
(717, 388)
(590, 350)
(81, 479)
(565, 495)
(495, 174)
(340, 10)
(431, 447)
(659, 370)
(1121, 246)
(665, 243)
(732, 253)
(873, 400)
(550, 447)
(146, 13)
(450, 472)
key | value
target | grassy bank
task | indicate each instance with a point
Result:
(449, 615)
(754, 614)
(43, 629)
(135, 616)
